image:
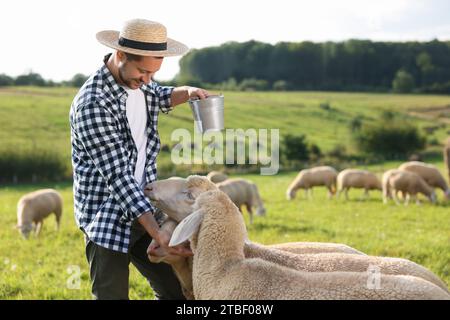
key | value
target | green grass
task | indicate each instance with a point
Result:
(33, 118)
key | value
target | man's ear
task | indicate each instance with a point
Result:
(121, 56)
(186, 228)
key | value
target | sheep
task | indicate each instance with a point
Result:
(308, 178)
(182, 266)
(429, 173)
(409, 184)
(390, 266)
(221, 271)
(447, 157)
(385, 184)
(216, 176)
(355, 178)
(243, 192)
(325, 259)
(175, 197)
(35, 207)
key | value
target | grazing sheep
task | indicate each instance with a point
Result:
(429, 173)
(309, 178)
(447, 157)
(221, 271)
(410, 184)
(243, 192)
(355, 178)
(216, 176)
(385, 184)
(35, 207)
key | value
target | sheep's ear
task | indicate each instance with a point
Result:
(186, 228)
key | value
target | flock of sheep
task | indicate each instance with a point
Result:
(410, 179)
(227, 265)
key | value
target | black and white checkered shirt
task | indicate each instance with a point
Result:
(107, 197)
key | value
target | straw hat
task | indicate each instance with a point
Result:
(142, 37)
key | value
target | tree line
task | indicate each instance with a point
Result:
(35, 79)
(353, 65)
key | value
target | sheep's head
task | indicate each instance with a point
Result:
(290, 194)
(433, 197)
(156, 253)
(447, 194)
(25, 229)
(215, 206)
(176, 196)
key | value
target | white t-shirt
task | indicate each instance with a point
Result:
(136, 110)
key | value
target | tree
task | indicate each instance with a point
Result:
(6, 80)
(403, 82)
(78, 80)
(30, 79)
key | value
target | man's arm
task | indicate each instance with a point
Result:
(151, 226)
(183, 94)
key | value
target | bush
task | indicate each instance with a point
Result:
(296, 148)
(281, 85)
(390, 140)
(32, 166)
(253, 84)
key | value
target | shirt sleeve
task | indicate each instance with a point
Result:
(164, 97)
(98, 132)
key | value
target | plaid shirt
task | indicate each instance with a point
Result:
(107, 197)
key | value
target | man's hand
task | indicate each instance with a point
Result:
(183, 94)
(194, 92)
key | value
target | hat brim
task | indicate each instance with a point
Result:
(110, 38)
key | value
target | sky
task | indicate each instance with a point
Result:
(57, 38)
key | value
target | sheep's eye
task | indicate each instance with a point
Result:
(189, 195)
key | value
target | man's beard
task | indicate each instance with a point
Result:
(129, 82)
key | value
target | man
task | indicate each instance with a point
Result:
(115, 142)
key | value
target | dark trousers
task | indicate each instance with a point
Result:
(109, 270)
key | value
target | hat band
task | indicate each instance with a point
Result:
(151, 46)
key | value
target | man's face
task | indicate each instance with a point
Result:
(135, 73)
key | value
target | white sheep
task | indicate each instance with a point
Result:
(190, 188)
(34, 207)
(243, 192)
(385, 184)
(410, 184)
(182, 266)
(429, 173)
(447, 157)
(356, 178)
(216, 176)
(221, 271)
(309, 178)
(326, 258)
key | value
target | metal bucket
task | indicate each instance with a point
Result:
(208, 113)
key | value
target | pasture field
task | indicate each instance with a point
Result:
(38, 118)
(45, 267)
